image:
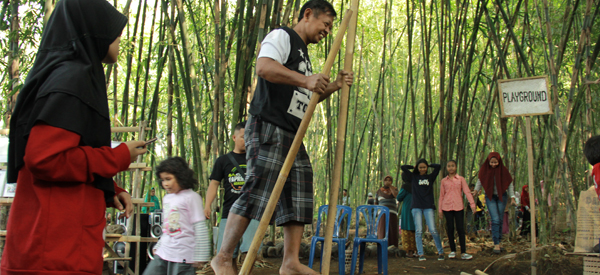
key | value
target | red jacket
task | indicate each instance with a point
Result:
(56, 220)
(596, 178)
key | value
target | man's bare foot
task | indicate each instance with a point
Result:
(296, 268)
(222, 265)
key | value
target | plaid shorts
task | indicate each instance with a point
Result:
(266, 148)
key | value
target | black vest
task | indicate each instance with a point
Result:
(280, 104)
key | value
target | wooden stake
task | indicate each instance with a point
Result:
(289, 160)
(340, 145)
(136, 186)
(531, 193)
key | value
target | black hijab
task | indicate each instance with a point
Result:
(406, 185)
(66, 87)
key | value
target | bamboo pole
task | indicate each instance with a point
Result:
(340, 145)
(289, 160)
(137, 178)
(531, 193)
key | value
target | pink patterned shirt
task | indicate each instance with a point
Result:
(451, 190)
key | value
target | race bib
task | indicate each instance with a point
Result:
(299, 104)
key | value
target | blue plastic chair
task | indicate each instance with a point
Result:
(343, 212)
(372, 215)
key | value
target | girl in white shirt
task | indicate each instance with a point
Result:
(184, 244)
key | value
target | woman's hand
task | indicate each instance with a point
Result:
(136, 148)
(122, 201)
(207, 213)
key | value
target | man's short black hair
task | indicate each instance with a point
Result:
(591, 150)
(345, 190)
(317, 6)
(239, 126)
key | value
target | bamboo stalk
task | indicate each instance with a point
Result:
(289, 160)
(340, 145)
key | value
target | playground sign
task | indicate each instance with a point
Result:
(525, 96)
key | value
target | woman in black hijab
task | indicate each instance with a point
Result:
(59, 150)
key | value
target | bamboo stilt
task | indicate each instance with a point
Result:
(289, 160)
(340, 145)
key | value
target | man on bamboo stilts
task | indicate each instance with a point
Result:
(285, 86)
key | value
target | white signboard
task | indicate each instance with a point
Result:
(525, 96)
(588, 221)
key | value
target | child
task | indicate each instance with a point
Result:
(471, 226)
(370, 199)
(423, 203)
(526, 227)
(451, 204)
(497, 183)
(480, 223)
(386, 196)
(59, 150)
(184, 244)
(407, 223)
(591, 150)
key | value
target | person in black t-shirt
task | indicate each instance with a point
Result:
(227, 171)
(423, 205)
(284, 87)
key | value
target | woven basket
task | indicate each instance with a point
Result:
(348, 262)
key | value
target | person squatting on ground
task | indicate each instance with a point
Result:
(184, 244)
(591, 150)
(407, 222)
(423, 203)
(285, 86)
(386, 196)
(451, 206)
(497, 183)
(231, 170)
(61, 157)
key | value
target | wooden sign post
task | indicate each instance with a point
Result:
(526, 97)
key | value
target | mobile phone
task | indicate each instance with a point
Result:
(151, 140)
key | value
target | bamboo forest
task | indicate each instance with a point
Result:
(426, 85)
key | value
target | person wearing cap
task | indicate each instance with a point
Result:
(386, 196)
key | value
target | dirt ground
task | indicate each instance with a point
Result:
(516, 260)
